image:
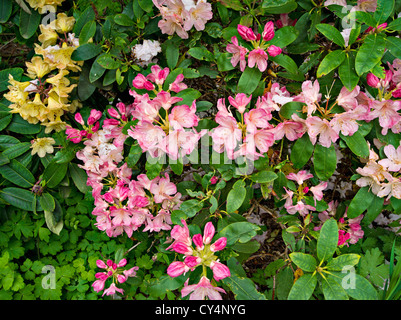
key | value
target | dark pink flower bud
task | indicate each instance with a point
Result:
(220, 271)
(177, 268)
(113, 113)
(208, 233)
(78, 118)
(246, 33)
(101, 264)
(373, 81)
(192, 261)
(213, 180)
(182, 248)
(268, 31)
(122, 263)
(220, 244)
(274, 51)
(198, 241)
(397, 93)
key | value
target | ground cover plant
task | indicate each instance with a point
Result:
(193, 149)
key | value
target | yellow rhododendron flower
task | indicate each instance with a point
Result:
(48, 36)
(42, 146)
(45, 6)
(37, 68)
(59, 57)
(64, 23)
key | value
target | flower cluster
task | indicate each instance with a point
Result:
(163, 128)
(349, 230)
(145, 52)
(45, 6)
(113, 272)
(382, 175)
(198, 251)
(45, 98)
(299, 195)
(261, 49)
(179, 16)
(251, 137)
(121, 203)
(390, 86)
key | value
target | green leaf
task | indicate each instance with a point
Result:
(279, 6)
(358, 287)
(324, 161)
(123, 20)
(344, 260)
(19, 125)
(263, 176)
(332, 290)
(16, 150)
(357, 144)
(201, 53)
(87, 32)
(20, 198)
(28, 23)
(303, 288)
(47, 202)
(249, 80)
(239, 231)
(85, 17)
(96, 71)
(54, 174)
(347, 73)
(330, 62)
(243, 288)
(51, 223)
(370, 53)
(79, 177)
(107, 61)
(5, 119)
(304, 261)
(395, 25)
(394, 46)
(86, 51)
(384, 10)
(360, 202)
(331, 33)
(289, 108)
(236, 196)
(153, 168)
(17, 174)
(191, 207)
(374, 209)
(302, 151)
(6, 8)
(4, 75)
(146, 5)
(328, 240)
(172, 53)
(284, 36)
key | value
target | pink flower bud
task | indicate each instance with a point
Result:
(113, 113)
(213, 180)
(122, 263)
(220, 271)
(121, 278)
(306, 189)
(94, 116)
(268, 32)
(198, 241)
(182, 248)
(373, 81)
(220, 244)
(177, 268)
(78, 118)
(110, 262)
(208, 233)
(98, 285)
(246, 33)
(101, 264)
(140, 82)
(274, 51)
(101, 275)
(397, 93)
(192, 261)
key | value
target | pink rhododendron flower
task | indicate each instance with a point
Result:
(393, 160)
(202, 290)
(240, 101)
(258, 57)
(310, 95)
(300, 176)
(317, 126)
(246, 33)
(239, 53)
(292, 130)
(387, 112)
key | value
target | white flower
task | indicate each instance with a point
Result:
(189, 4)
(146, 51)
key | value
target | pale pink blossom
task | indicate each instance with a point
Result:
(183, 116)
(292, 130)
(317, 126)
(393, 160)
(198, 16)
(300, 176)
(158, 75)
(239, 53)
(310, 95)
(348, 99)
(387, 112)
(317, 191)
(202, 290)
(258, 57)
(240, 101)
(256, 118)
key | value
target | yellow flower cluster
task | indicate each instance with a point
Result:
(45, 98)
(44, 6)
